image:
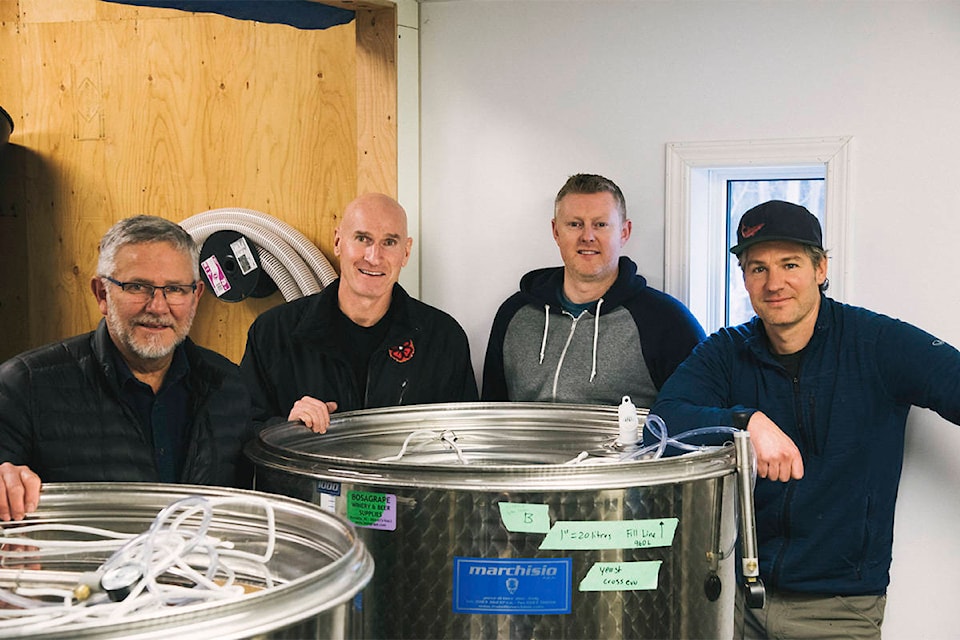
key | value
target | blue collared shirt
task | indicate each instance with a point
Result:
(166, 415)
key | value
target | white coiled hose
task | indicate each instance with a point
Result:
(294, 263)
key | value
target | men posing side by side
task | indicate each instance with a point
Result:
(591, 331)
(135, 400)
(362, 342)
(824, 389)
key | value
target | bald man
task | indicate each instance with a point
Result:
(362, 342)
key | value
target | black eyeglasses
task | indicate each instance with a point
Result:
(174, 294)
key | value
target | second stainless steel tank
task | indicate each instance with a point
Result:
(519, 521)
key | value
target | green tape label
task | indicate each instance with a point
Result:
(622, 576)
(616, 534)
(525, 518)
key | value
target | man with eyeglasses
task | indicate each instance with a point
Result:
(134, 400)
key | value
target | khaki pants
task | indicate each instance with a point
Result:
(789, 616)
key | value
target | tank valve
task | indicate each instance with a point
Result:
(754, 593)
(629, 425)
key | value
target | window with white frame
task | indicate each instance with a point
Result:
(710, 185)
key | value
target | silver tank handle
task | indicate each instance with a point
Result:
(750, 563)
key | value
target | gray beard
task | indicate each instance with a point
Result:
(150, 348)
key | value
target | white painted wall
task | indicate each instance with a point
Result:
(516, 95)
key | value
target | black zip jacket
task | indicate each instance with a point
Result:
(290, 353)
(61, 415)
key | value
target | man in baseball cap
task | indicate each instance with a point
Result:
(824, 389)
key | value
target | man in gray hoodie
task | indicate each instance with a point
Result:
(591, 331)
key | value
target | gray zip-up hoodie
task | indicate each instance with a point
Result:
(627, 344)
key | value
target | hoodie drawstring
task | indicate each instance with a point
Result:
(596, 335)
(546, 327)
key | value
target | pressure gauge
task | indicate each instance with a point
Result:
(119, 581)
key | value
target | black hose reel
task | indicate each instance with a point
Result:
(230, 267)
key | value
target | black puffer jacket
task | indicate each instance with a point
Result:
(291, 353)
(61, 414)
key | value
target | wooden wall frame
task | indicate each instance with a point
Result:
(122, 110)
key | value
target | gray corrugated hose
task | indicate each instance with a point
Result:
(294, 263)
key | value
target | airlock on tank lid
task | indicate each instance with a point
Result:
(629, 424)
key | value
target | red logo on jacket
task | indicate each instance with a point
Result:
(403, 353)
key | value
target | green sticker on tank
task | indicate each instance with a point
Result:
(611, 534)
(372, 510)
(525, 518)
(622, 576)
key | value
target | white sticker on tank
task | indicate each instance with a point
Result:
(328, 502)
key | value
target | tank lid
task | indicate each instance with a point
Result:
(474, 445)
(317, 561)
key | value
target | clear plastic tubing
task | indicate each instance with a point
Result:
(659, 430)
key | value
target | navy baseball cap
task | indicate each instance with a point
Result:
(777, 220)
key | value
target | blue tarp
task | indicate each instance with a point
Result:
(296, 13)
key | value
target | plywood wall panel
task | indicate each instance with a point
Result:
(9, 11)
(377, 99)
(63, 200)
(308, 193)
(34, 11)
(156, 111)
(37, 11)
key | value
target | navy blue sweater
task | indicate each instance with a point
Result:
(832, 531)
